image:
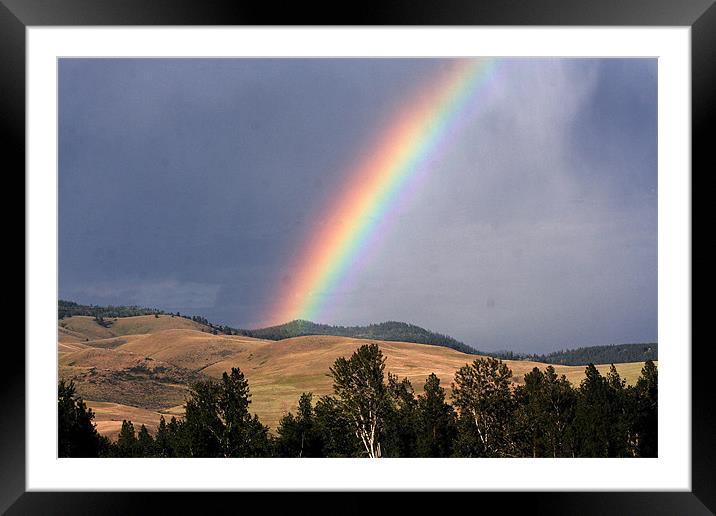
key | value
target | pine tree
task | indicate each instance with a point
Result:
(620, 414)
(179, 439)
(544, 414)
(561, 400)
(298, 435)
(602, 422)
(218, 421)
(162, 441)
(127, 440)
(530, 414)
(77, 435)
(436, 426)
(400, 434)
(591, 423)
(145, 443)
(646, 420)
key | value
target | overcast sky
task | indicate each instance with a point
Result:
(189, 185)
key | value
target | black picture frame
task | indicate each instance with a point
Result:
(16, 15)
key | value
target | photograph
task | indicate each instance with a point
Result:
(443, 252)
(357, 257)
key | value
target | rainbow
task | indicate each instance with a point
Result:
(353, 221)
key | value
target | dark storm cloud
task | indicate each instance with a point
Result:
(189, 185)
(206, 172)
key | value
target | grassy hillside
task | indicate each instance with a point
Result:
(69, 346)
(104, 316)
(150, 370)
(80, 328)
(80, 323)
(109, 416)
(191, 349)
(124, 377)
(388, 331)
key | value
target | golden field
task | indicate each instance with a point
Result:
(138, 367)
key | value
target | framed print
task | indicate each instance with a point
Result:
(411, 250)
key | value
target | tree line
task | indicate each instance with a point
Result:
(609, 354)
(106, 315)
(70, 308)
(370, 414)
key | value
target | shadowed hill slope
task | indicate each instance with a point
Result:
(124, 377)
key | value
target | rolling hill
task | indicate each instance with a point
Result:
(72, 326)
(388, 331)
(141, 375)
(88, 328)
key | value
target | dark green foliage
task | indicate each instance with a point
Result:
(602, 417)
(467, 442)
(77, 436)
(218, 422)
(336, 430)
(178, 437)
(163, 441)
(436, 424)
(367, 416)
(172, 439)
(145, 443)
(106, 447)
(298, 436)
(646, 414)
(544, 415)
(358, 383)
(127, 441)
(481, 393)
(611, 354)
(401, 422)
(132, 444)
(591, 426)
(69, 309)
(391, 331)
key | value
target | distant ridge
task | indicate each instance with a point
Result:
(386, 331)
(389, 330)
(610, 354)
(70, 308)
